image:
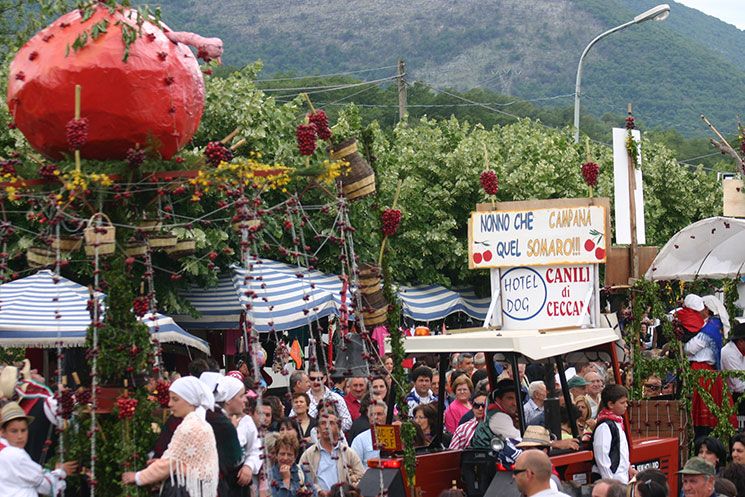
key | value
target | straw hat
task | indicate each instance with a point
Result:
(8, 381)
(535, 436)
(12, 411)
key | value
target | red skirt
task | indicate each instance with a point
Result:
(702, 416)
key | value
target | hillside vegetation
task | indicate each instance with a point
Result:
(671, 71)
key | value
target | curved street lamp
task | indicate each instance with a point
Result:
(658, 13)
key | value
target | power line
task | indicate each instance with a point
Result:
(325, 75)
(303, 89)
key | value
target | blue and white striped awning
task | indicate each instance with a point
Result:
(165, 330)
(281, 296)
(433, 302)
(43, 310)
(278, 302)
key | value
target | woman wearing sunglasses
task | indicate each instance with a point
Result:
(464, 432)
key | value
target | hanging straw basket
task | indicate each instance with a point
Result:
(184, 247)
(369, 281)
(246, 223)
(376, 317)
(149, 225)
(101, 237)
(40, 257)
(373, 299)
(67, 243)
(135, 248)
(162, 240)
(359, 180)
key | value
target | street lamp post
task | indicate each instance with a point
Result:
(658, 13)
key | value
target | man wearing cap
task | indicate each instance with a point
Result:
(698, 478)
(577, 386)
(733, 359)
(20, 476)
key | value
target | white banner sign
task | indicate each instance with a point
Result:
(537, 237)
(546, 297)
(621, 200)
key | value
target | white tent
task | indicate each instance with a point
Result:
(711, 248)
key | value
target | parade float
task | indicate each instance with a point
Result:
(125, 197)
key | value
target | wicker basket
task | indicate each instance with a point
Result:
(183, 248)
(369, 280)
(101, 236)
(247, 223)
(40, 257)
(149, 225)
(162, 240)
(135, 248)
(359, 180)
(67, 243)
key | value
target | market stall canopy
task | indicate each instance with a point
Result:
(711, 248)
(533, 344)
(282, 297)
(433, 302)
(43, 310)
(164, 329)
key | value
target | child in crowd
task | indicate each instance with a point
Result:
(610, 445)
(19, 474)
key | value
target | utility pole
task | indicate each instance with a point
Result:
(401, 82)
(634, 256)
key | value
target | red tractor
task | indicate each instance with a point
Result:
(438, 469)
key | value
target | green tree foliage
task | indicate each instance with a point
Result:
(440, 163)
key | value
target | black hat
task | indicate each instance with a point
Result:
(502, 387)
(738, 332)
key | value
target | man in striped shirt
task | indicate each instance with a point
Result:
(464, 432)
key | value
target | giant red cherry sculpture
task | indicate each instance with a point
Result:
(155, 96)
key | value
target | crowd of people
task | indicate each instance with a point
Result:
(225, 439)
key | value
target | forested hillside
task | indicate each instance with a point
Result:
(672, 71)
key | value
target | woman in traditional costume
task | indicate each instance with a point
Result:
(703, 348)
(189, 466)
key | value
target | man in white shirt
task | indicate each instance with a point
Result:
(733, 359)
(532, 475)
(319, 391)
(595, 385)
(421, 393)
(362, 443)
(537, 393)
(329, 461)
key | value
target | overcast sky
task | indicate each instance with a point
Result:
(729, 11)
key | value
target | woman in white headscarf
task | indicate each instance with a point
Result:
(718, 310)
(231, 395)
(191, 458)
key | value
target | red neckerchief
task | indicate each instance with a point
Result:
(496, 405)
(606, 413)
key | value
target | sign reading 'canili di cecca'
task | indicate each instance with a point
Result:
(537, 237)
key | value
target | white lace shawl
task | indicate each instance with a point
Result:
(192, 456)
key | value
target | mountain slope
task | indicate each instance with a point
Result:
(671, 71)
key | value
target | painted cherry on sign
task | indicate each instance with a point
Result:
(477, 257)
(487, 255)
(593, 244)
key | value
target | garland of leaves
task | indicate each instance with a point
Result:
(632, 148)
(656, 299)
(400, 380)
